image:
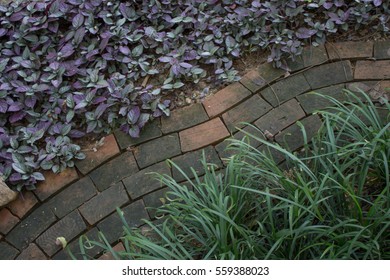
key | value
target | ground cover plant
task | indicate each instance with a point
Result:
(330, 202)
(72, 67)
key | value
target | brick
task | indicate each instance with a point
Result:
(248, 111)
(157, 150)
(32, 252)
(329, 74)
(68, 227)
(270, 73)
(203, 135)
(112, 226)
(382, 50)
(292, 137)
(102, 153)
(225, 99)
(31, 227)
(184, 118)
(372, 70)
(114, 171)
(74, 247)
(253, 81)
(314, 56)
(104, 203)
(225, 151)
(285, 90)
(193, 160)
(154, 200)
(72, 197)
(311, 102)
(281, 117)
(108, 255)
(349, 50)
(151, 131)
(7, 252)
(7, 221)
(143, 182)
(23, 204)
(55, 182)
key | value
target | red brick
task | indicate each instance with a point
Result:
(347, 50)
(248, 111)
(104, 203)
(225, 99)
(68, 227)
(32, 252)
(382, 50)
(253, 81)
(184, 118)
(270, 73)
(108, 256)
(372, 70)
(281, 117)
(55, 182)
(23, 204)
(203, 135)
(7, 221)
(96, 157)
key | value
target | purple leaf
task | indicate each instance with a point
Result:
(77, 21)
(3, 106)
(377, 3)
(3, 32)
(134, 131)
(133, 115)
(31, 101)
(305, 33)
(17, 117)
(15, 107)
(125, 50)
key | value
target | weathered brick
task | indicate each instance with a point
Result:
(32, 252)
(270, 73)
(68, 227)
(157, 150)
(150, 131)
(7, 221)
(311, 102)
(225, 99)
(193, 160)
(292, 137)
(372, 70)
(253, 81)
(329, 74)
(72, 197)
(74, 247)
(54, 182)
(96, 157)
(248, 111)
(203, 135)
(112, 226)
(280, 117)
(285, 89)
(7, 252)
(349, 50)
(143, 182)
(114, 171)
(154, 200)
(382, 50)
(184, 118)
(108, 255)
(23, 204)
(225, 151)
(314, 55)
(104, 203)
(31, 227)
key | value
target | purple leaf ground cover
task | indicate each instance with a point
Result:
(72, 67)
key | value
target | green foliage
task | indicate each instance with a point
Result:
(330, 202)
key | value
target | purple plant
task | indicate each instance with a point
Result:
(73, 67)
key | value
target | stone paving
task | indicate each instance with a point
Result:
(83, 200)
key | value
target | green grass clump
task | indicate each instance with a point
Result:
(331, 201)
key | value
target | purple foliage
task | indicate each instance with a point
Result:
(71, 67)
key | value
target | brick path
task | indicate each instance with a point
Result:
(82, 200)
